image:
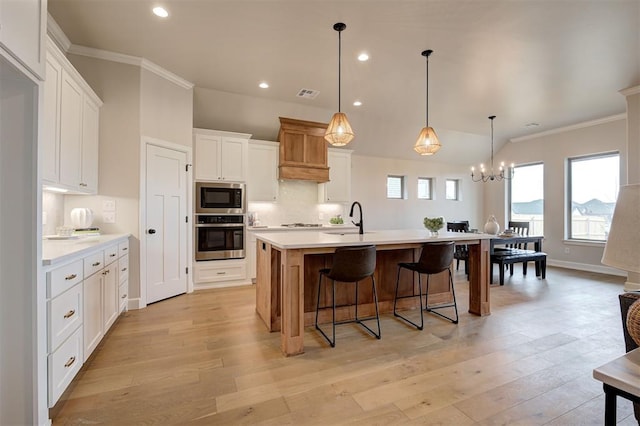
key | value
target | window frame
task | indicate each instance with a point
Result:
(510, 190)
(431, 195)
(457, 189)
(403, 187)
(569, 193)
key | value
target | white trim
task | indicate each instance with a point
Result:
(187, 150)
(133, 304)
(634, 90)
(225, 284)
(130, 60)
(56, 34)
(600, 269)
(584, 243)
(570, 128)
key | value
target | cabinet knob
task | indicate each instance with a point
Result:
(151, 231)
(112, 255)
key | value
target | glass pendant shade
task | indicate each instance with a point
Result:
(339, 132)
(428, 142)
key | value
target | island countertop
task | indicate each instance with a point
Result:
(348, 237)
(288, 264)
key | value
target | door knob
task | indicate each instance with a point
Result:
(151, 231)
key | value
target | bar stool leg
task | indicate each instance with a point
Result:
(395, 301)
(454, 304)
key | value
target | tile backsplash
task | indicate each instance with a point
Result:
(53, 211)
(297, 202)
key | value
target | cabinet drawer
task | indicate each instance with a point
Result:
(93, 263)
(64, 364)
(216, 272)
(110, 254)
(63, 278)
(123, 296)
(65, 316)
(123, 269)
(123, 247)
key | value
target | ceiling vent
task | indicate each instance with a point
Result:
(308, 93)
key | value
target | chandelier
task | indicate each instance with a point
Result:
(485, 175)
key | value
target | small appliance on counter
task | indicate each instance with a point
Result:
(81, 220)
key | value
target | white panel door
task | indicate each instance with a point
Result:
(166, 233)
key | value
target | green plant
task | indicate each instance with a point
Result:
(433, 224)
(336, 220)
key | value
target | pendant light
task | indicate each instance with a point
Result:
(339, 132)
(427, 143)
(486, 175)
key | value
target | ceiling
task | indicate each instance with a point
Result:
(555, 63)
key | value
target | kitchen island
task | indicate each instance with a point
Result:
(288, 264)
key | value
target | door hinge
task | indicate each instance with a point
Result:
(186, 270)
(186, 167)
(186, 219)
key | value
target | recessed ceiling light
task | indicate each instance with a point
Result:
(357, 103)
(264, 85)
(160, 11)
(363, 57)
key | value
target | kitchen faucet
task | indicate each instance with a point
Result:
(359, 224)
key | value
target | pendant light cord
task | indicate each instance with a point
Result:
(339, 67)
(491, 118)
(427, 108)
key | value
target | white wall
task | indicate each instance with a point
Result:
(136, 102)
(553, 150)
(369, 178)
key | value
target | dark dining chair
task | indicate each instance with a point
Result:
(434, 258)
(350, 265)
(461, 251)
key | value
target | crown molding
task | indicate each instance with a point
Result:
(130, 60)
(570, 128)
(634, 90)
(57, 35)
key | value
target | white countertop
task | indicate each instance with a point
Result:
(59, 251)
(278, 228)
(333, 237)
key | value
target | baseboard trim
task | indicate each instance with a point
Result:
(133, 304)
(225, 284)
(600, 269)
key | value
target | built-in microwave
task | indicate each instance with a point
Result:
(220, 198)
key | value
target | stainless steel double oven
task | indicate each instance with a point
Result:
(219, 225)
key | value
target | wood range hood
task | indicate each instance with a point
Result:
(303, 150)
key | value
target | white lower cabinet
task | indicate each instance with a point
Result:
(93, 313)
(220, 273)
(85, 297)
(63, 365)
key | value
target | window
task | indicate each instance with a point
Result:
(526, 197)
(451, 189)
(592, 191)
(425, 186)
(395, 187)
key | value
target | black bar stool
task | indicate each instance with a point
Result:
(350, 265)
(435, 258)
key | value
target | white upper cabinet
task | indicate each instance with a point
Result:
(23, 25)
(71, 127)
(262, 183)
(220, 155)
(338, 189)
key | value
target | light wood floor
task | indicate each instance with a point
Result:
(206, 358)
